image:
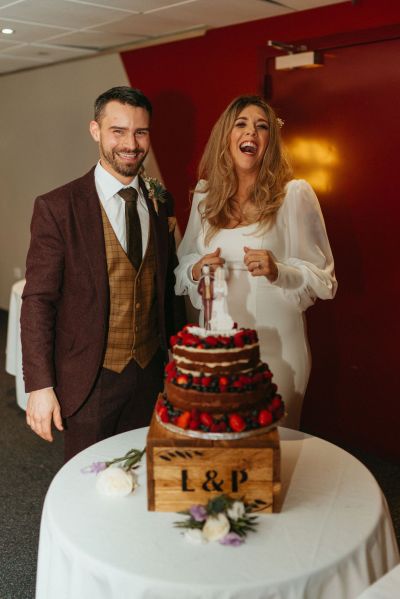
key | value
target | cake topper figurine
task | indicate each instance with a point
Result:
(205, 289)
(221, 320)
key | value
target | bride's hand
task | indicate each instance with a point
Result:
(261, 263)
(212, 260)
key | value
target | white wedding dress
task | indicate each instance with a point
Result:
(299, 242)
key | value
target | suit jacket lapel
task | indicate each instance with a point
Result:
(86, 206)
(159, 223)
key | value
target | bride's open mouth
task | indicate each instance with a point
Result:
(248, 147)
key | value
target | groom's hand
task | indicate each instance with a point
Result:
(42, 408)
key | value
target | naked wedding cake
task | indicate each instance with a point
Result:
(216, 384)
(214, 429)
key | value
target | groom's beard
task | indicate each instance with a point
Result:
(119, 165)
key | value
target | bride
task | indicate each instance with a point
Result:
(268, 231)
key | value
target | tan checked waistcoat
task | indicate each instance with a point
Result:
(133, 323)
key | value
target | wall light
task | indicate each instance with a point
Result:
(304, 60)
(7, 31)
(314, 159)
(296, 56)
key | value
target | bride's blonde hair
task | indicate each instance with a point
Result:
(221, 181)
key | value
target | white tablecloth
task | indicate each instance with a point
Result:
(387, 587)
(332, 539)
(13, 347)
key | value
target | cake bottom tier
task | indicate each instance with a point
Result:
(248, 416)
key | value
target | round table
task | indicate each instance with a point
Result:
(332, 539)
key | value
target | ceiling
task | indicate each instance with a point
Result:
(50, 31)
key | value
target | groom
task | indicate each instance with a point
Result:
(99, 293)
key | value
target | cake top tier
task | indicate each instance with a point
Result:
(196, 337)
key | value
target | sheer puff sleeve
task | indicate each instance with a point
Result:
(306, 272)
(188, 251)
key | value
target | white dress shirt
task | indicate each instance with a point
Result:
(107, 188)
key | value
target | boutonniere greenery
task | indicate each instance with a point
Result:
(156, 190)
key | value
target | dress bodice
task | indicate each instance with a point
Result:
(233, 241)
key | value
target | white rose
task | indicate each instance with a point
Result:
(116, 482)
(195, 536)
(216, 527)
(236, 511)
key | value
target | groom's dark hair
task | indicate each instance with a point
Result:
(124, 95)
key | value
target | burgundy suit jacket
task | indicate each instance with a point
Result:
(64, 318)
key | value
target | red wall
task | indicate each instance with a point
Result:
(353, 393)
(346, 119)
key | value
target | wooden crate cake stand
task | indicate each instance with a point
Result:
(182, 471)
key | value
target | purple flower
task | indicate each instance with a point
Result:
(232, 539)
(198, 513)
(94, 468)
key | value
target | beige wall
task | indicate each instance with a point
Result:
(44, 143)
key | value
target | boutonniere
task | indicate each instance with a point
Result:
(156, 190)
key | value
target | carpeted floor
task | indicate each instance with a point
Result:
(27, 466)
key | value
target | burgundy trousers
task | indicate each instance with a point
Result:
(119, 402)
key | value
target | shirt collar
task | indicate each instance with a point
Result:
(109, 185)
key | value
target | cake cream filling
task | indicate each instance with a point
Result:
(181, 360)
(184, 370)
(217, 367)
(218, 350)
(200, 332)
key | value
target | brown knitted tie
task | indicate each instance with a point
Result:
(133, 228)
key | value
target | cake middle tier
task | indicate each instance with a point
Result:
(220, 402)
